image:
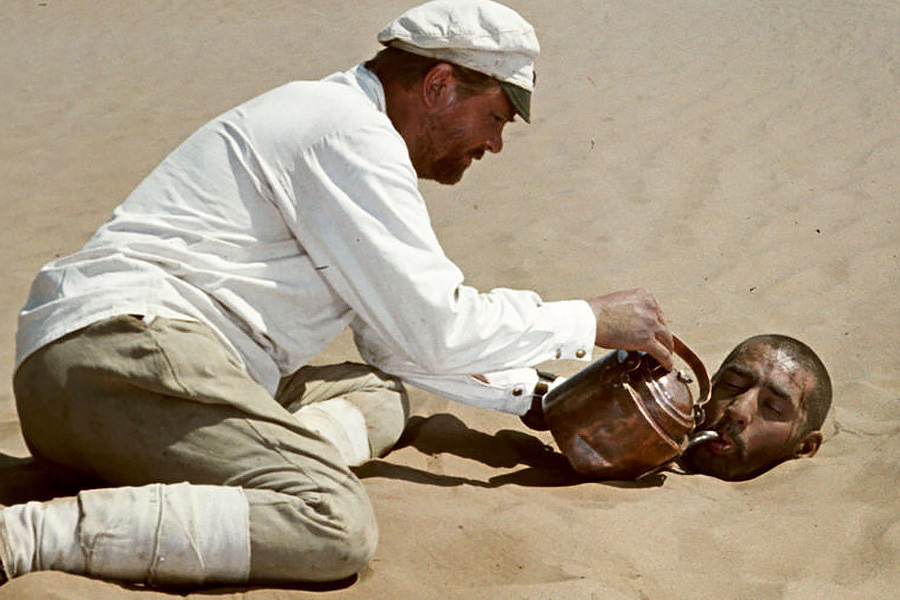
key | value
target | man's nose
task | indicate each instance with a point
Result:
(742, 408)
(495, 143)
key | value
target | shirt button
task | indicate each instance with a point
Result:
(558, 354)
(518, 390)
(580, 354)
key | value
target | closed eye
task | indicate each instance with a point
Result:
(731, 387)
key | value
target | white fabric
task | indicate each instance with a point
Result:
(342, 424)
(45, 537)
(170, 534)
(284, 220)
(508, 390)
(481, 35)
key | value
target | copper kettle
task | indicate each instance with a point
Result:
(624, 416)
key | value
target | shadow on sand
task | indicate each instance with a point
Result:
(447, 434)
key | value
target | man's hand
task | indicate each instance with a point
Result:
(632, 320)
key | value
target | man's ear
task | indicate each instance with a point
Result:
(439, 87)
(809, 445)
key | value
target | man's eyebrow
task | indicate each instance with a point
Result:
(780, 391)
(739, 370)
(776, 388)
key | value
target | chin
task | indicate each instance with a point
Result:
(703, 462)
(449, 172)
(448, 179)
(443, 176)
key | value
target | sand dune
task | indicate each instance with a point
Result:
(740, 159)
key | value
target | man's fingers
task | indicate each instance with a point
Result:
(664, 344)
(664, 337)
(662, 319)
(663, 355)
(633, 320)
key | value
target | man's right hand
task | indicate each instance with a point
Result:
(632, 320)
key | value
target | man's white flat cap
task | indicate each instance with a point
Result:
(477, 34)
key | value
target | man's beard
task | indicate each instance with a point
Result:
(700, 460)
(449, 168)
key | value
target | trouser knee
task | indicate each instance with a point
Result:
(314, 537)
(357, 542)
(381, 399)
(386, 410)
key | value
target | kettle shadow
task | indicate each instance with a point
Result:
(443, 433)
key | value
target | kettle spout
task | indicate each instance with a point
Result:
(702, 436)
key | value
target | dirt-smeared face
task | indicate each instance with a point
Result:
(758, 409)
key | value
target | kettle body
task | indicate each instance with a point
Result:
(624, 416)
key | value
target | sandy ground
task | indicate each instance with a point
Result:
(739, 158)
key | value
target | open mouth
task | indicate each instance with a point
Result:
(722, 444)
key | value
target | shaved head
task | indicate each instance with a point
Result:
(818, 402)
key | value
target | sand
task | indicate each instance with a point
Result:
(740, 159)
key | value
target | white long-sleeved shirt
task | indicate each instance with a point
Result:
(283, 221)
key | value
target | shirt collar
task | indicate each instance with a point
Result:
(367, 82)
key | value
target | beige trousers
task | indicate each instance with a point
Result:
(125, 403)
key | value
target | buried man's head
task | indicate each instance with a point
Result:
(770, 397)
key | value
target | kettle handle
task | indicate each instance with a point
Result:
(699, 369)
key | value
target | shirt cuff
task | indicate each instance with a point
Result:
(507, 391)
(575, 327)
